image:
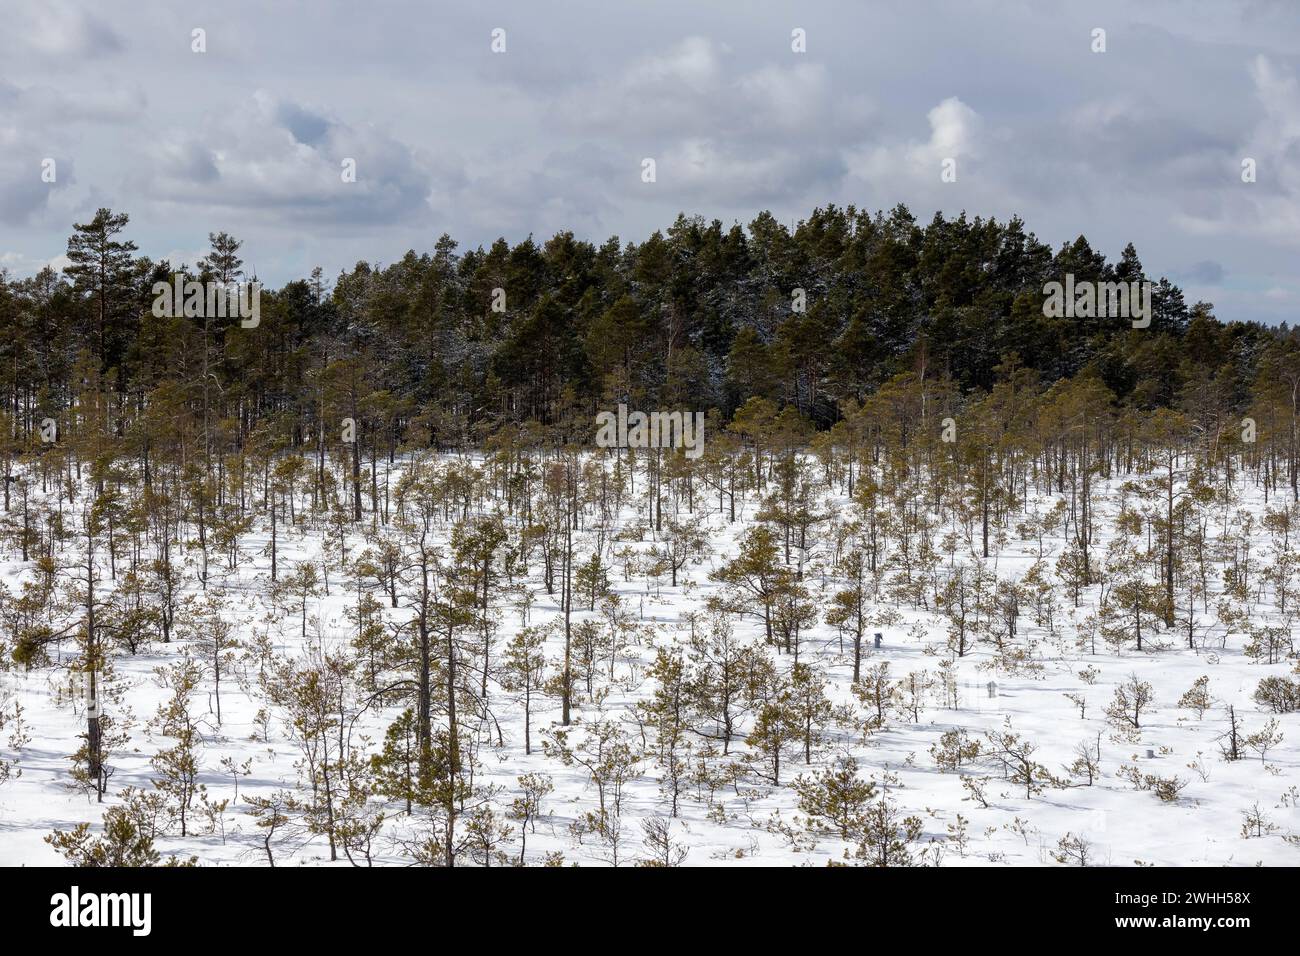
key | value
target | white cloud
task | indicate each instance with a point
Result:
(956, 132)
(695, 63)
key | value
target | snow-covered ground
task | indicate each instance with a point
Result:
(748, 823)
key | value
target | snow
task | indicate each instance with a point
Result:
(1124, 825)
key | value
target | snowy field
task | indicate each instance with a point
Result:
(748, 820)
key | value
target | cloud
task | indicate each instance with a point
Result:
(720, 135)
(703, 170)
(514, 196)
(1278, 94)
(307, 127)
(956, 132)
(39, 123)
(788, 99)
(46, 108)
(694, 89)
(61, 30)
(20, 263)
(283, 161)
(23, 191)
(1125, 132)
(1270, 206)
(694, 65)
(1205, 272)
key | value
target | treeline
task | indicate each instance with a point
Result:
(442, 349)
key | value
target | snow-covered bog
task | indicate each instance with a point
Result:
(624, 657)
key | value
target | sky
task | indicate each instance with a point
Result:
(1141, 143)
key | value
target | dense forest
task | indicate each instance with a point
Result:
(444, 348)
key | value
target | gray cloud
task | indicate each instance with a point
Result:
(307, 127)
(278, 160)
(24, 189)
(1205, 272)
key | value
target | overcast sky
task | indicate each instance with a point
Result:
(1142, 143)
